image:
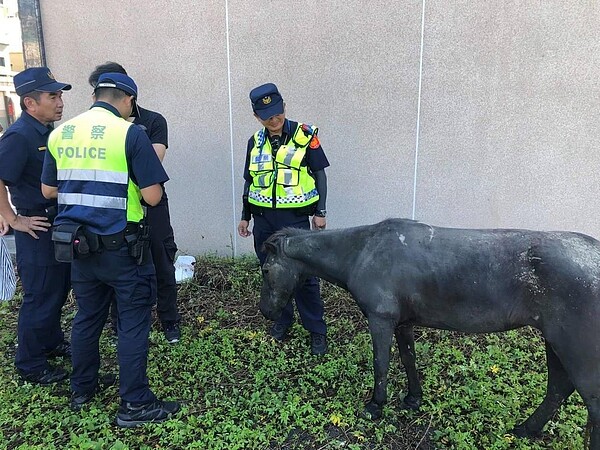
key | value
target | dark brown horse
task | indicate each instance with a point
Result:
(404, 273)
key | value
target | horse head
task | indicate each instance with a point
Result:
(281, 276)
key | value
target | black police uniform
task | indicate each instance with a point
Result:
(267, 221)
(46, 282)
(162, 239)
(114, 272)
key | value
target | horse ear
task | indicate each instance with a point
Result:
(274, 244)
(270, 246)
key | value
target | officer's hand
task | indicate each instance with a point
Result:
(243, 230)
(319, 223)
(31, 224)
(4, 226)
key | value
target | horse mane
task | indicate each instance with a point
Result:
(278, 236)
(286, 232)
(282, 234)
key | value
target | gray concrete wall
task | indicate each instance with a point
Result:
(508, 97)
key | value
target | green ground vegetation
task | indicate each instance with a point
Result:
(242, 390)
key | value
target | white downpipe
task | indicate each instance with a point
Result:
(233, 196)
(414, 205)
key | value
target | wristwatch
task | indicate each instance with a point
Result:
(321, 213)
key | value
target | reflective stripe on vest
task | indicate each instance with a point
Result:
(94, 201)
(93, 175)
(282, 182)
(92, 171)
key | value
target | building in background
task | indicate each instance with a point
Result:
(11, 60)
(466, 114)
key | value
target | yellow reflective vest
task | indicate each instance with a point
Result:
(94, 187)
(281, 181)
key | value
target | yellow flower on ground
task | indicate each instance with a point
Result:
(509, 437)
(359, 436)
(206, 331)
(494, 369)
(252, 334)
(336, 419)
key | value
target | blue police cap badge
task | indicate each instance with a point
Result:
(266, 100)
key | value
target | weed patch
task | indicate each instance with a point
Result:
(242, 390)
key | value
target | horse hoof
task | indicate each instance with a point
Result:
(371, 412)
(519, 431)
(412, 403)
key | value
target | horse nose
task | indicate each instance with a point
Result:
(266, 311)
(265, 305)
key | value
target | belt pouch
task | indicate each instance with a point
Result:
(113, 241)
(63, 237)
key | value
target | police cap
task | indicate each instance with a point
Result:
(266, 101)
(122, 82)
(117, 81)
(37, 79)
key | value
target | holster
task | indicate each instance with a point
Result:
(138, 242)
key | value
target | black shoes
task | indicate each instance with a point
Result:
(172, 332)
(279, 332)
(62, 350)
(78, 400)
(153, 412)
(52, 374)
(318, 344)
(46, 376)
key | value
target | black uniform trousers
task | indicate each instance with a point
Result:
(308, 296)
(96, 280)
(163, 249)
(46, 284)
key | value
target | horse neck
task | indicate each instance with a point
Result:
(321, 254)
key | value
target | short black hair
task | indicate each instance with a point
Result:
(36, 95)
(107, 67)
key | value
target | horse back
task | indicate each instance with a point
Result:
(479, 280)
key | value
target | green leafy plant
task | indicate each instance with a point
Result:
(242, 390)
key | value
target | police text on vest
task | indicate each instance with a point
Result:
(81, 152)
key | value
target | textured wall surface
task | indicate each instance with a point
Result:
(508, 95)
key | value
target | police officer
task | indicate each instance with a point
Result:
(285, 183)
(100, 166)
(161, 232)
(45, 282)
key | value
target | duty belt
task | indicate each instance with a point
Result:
(49, 212)
(116, 240)
(75, 241)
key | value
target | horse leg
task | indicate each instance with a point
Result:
(584, 371)
(406, 345)
(593, 425)
(381, 334)
(559, 388)
(581, 362)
